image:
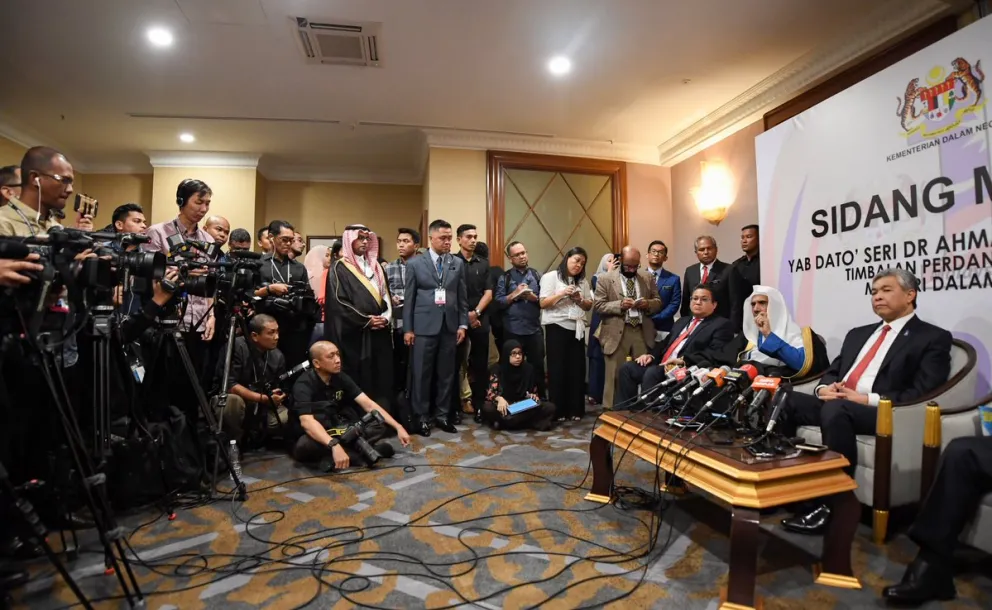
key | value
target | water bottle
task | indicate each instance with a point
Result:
(235, 458)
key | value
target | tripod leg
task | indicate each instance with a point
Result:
(216, 433)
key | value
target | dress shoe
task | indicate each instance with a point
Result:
(922, 582)
(812, 523)
(20, 548)
(424, 429)
(457, 419)
(445, 425)
(11, 579)
(477, 418)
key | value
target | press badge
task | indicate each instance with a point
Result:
(440, 296)
(138, 372)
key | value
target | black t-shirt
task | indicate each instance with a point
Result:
(477, 279)
(274, 271)
(332, 404)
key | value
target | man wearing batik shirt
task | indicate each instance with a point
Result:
(407, 242)
(359, 310)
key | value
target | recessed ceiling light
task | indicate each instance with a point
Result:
(560, 65)
(187, 137)
(160, 37)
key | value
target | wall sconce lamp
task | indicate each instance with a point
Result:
(715, 193)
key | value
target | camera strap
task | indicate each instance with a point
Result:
(288, 278)
(24, 219)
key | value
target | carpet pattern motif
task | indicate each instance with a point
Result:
(411, 534)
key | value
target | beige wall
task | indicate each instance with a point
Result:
(233, 193)
(456, 187)
(261, 197)
(10, 152)
(737, 152)
(649, 206)
(112, 190)
(326, 208)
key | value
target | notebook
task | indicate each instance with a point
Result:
(519, 407)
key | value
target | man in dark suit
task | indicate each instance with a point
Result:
(692, 336)
(902, 358)
(709, 270)
(435, 320)
(744, 275)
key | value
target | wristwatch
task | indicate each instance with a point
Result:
(478, 313)
(332, 443)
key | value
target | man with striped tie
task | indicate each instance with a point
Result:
(698, 332)
(900, 357)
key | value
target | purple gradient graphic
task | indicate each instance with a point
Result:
(789, 245)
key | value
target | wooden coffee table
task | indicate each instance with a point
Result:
(731, 475)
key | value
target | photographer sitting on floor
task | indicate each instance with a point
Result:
(253, 362)
(324, 398)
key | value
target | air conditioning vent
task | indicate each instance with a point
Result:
(339, 42)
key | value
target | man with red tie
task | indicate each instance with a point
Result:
(691, 336)
(901, 358)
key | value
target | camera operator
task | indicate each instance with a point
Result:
(49, 178)
(325, 398)
(193, 198)
(240, 241)
(254, 361)
(278, 275)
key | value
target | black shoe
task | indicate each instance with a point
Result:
(424, 429)
(922, 582)
(384, 449)
(19, 548)
(445, 425)
(11, 579)
(477, 418)
(812, 523)
(457, 419)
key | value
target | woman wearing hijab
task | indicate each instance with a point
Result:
(317, 262)
(565, 299)
(597, 366)
(511, 381)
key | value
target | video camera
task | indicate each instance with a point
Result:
(299, 301)
(354, 435)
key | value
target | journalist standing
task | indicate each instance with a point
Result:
(517, 291)
(565, 299)
(280, 273)
(407, 242)
(479, 292)
(435, 321)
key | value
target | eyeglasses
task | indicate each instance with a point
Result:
(284, 240)
(656, 252)
(700, 299)
(65, 180)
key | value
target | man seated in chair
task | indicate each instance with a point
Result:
(963, 478)
(772, 341)
(901, 357)
(691, 336)
(324, 398)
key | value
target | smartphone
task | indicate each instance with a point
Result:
(86, 205)
(812, 448)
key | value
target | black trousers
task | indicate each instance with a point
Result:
(307, 450)
(629, 377)
(964, 476)
(477, 347)
(566, 371)
(371, 365)
(840, 422)
(539, 418)
(534, 350)
(401, 360)
(434, 363)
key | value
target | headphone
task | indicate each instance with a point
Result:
(180, 201)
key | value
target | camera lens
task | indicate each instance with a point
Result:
(201, 285)
(147, 265)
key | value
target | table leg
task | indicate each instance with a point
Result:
(743, 558)
(602, 470)
(835, 569)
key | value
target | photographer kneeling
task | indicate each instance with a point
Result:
(254, 361)
(325, 399)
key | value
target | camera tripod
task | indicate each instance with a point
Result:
(93, 483)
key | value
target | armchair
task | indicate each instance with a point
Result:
(890, 473)
(941, 428)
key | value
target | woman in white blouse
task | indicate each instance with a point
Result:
(565, 299)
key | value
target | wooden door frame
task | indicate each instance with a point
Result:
(497, 161)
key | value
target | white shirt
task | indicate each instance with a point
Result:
(678, 350)
(702, 271)
(566, 312)
(631, 313)
(867, 380)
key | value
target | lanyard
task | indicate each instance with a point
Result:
(440, 276)
(179, 229)
(24, 218)
(275, 272)
(265, 364)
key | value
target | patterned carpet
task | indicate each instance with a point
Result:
(412, 534)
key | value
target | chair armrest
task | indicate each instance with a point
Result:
(898, 444)
(806, 385)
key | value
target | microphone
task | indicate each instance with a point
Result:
(683, 377)
(13, 249)
(714, 376)
(673, 377)
(778, 401)
(212, 250)
(736, 381)
(244, 254)
(293, 372)
(694, 380)
(765, 388)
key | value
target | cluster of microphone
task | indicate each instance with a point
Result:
(745, 394)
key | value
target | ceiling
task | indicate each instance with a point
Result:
(77, 73)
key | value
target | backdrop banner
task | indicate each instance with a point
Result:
(893, 172)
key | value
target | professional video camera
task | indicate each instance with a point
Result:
(354, 436)
(299, 301)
